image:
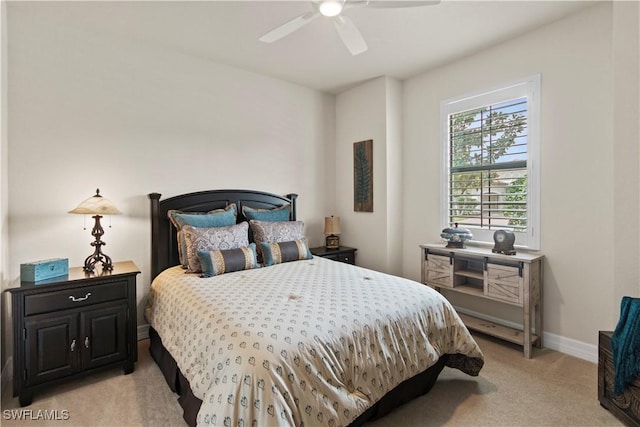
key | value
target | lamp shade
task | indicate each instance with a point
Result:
(96, 205)
(332, 225)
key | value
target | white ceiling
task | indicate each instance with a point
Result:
(402, 42)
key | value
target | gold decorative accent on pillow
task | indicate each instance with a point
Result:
(216, 262)
(277, 253)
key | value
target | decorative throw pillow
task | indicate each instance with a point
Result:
(281, 213)
(277, 253)
(208, 239)
(275, 232)
(218, 262)
(215, 218)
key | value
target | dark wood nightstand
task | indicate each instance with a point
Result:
(343, 253)
(72, 326)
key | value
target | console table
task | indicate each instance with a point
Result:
(508, 279)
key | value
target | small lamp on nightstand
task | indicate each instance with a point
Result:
(97, 206)
(332, 230)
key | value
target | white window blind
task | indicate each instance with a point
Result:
(491, 149)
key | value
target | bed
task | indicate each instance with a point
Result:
(305, 341)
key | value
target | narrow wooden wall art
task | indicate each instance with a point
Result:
(363, 176)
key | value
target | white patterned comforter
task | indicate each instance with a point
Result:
(305, 343)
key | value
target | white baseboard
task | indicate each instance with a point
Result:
(572, 347)
(143, 332)
(6, 375)
(551, 341)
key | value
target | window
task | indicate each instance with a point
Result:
(491, 151)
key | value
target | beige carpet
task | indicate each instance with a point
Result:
(551, 389)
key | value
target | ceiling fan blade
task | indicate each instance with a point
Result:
(387, 4)
(288, 27)
(350, 35)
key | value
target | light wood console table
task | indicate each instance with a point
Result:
(509, 279)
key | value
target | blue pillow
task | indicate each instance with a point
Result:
(218, 262)
(281, 213)
(277, 253)
(215, 218)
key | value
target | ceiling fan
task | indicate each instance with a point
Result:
(345, 27)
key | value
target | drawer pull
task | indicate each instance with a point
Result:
(86, 342)
(73, 345)
(74, 299)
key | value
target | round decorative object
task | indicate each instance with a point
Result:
(503, 242)
(456, 236)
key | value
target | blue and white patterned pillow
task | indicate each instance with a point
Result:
(215, 238)
(218, 262)
(275, 232)
(277, 253)
(215, 218)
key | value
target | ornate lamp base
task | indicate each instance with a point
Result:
(97, 256)
(332, 242)
(91, 261)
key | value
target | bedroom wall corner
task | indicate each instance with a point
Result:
(330, 184)
(394, 174)
(370, 111)
(626, 146)
(6, 342)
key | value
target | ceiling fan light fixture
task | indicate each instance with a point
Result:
(330, 8)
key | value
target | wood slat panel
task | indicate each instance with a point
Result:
(503, 332)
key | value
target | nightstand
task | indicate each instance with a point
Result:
(72, 326)
(343, 253)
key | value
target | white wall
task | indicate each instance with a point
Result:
(580, 183)
(394, 175)
(89, 110)
(371, 111)
(626, 147)
(5, 326)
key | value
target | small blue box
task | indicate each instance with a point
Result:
(45, 269)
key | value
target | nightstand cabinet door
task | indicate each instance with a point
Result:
(348, 257)
(104, 338)
(51, 347)
(342, 254)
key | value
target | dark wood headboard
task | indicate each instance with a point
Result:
(164, 245)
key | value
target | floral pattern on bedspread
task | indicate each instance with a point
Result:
(305, 343)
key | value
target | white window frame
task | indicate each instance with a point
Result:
(530, 88)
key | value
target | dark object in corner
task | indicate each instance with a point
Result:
(625, 343)
(625, 406)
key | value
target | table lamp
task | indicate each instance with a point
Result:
(332, 230)
(97, 206)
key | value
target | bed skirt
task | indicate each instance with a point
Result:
(404, 392)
